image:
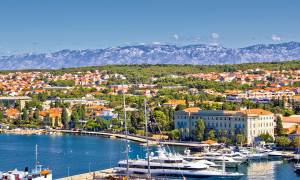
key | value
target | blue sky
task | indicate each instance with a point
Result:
(51, 25)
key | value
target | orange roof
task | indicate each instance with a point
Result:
(175, 102)
(53, 112)
(291, 119)
(12, 112)
(192, 109)
(39, 91)
(256, 112)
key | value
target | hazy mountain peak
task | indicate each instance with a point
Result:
(153, 54)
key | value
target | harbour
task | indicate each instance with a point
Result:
(73, 157)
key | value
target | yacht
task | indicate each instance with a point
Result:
(229, 162)
(297, 168)
(275, 155)
(37, 174)
(171, 165)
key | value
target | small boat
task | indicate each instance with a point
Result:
(275, 155)
(229, 162)
(297, 168)
(38, 173)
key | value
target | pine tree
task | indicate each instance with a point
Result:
(279, 127)
(24, 114)
(65, 118)
(200, 128)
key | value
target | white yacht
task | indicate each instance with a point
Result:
(37, 174)
(171, 165)
(229, 162)
(275, 155)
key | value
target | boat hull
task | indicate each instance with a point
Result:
(182, 173)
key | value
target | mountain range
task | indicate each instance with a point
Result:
(153, 54)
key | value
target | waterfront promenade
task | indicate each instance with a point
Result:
(139, 139)
(90, 175)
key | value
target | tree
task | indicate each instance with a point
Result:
(240, 138)
(36, 114)
(1, 115)
(161, 120)
(75, 119)
(211, 134)
(136, 120)
(282, 141)
(175, 134)
(200, 129)
(266, 137)
(24, 114)
(65, 118)
(279, 127)
(180, 107)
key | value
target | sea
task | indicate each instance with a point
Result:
(75, 154)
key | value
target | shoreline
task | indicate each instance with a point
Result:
(138, 139)
(100, 174)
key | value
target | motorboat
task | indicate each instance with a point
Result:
(297, 168)
(275, 154)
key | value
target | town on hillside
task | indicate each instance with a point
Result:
(238, 104)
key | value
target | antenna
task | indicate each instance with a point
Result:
(125, 127)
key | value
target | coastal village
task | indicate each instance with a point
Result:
(206, 112)
(91, 100)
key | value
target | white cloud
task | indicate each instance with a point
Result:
(214, 35)
(176, 37)
(276, 37)
(156, 43)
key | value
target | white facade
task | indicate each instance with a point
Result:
(251, 123)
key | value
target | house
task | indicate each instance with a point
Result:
(51, 117)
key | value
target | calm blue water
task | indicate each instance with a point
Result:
(81, 153)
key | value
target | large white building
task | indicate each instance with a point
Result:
(251, 122)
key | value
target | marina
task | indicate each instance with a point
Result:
(69, 155)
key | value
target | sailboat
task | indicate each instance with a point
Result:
(166, 164)
(38, 173)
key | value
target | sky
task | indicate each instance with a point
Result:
(52, 25)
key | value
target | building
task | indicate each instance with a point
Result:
(12, 100)
(51, 117)
(251, 122)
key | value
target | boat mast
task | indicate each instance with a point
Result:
(36, 157)
(146, 134)
(126, 138)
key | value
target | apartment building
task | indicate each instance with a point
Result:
(250, 122)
